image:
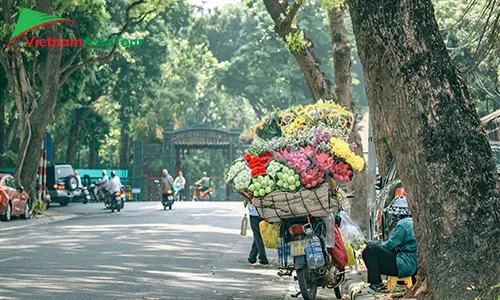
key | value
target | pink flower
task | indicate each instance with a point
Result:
(299, 161)
(282, 154)
(309, 150)
(323, 160)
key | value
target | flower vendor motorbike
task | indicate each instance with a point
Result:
(168, 199)
(302, 248)
(198, 195)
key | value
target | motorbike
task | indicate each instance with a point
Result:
(200, 196)
(302, 248)
(116, 201)
(97, 193)
(85, 195)
(168, 199)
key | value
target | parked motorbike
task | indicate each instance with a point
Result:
(302, 248)
(85, 195)
(198, 196)
(168, 199)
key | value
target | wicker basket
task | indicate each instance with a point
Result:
(282, 205)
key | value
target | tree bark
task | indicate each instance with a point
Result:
(341, 51)
(341, 57)
(420, 103)
(93, 155)
(77, 122)
(319, 85)
(3, 99)
(124, 144)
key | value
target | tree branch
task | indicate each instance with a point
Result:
(110, 54)
(292, 13)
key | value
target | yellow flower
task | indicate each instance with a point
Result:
(340, 148)
(355, 161)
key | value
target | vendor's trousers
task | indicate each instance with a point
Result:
(379, 261)
(258, 243)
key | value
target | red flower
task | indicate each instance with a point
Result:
(258, 170)
(247, 157)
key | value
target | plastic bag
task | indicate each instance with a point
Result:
(338, 253)
(270, 234)
(351, 260)
(351, 233)
(330, 231)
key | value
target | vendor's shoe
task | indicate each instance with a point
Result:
(259, 265)
(377, 288)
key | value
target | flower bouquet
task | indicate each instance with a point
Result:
(303, 150)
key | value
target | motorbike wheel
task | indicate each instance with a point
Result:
(308, 286)
(112, 209)
(164, 207)
(170, 206)
(118, 208)
(338, 292)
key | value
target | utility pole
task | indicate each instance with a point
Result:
(372, 175)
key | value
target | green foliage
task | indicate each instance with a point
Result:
(332, 4)
(295, 41)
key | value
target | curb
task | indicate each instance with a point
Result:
(45, 219)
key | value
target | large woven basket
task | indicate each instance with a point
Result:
(282, 205)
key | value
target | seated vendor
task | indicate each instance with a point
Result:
(398, 255)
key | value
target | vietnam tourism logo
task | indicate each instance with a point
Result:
(30, 20)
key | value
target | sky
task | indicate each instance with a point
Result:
(211, 3)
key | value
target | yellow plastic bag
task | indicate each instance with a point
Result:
(270, 234)
(351, 259)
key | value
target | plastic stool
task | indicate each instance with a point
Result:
(393, 281)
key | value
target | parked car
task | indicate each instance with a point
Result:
(61, 183)
(14, 201)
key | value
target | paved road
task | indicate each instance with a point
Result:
(194, 251)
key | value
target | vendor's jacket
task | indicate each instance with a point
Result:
(402, 242)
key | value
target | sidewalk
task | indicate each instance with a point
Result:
(45, 218)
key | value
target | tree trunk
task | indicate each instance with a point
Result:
(93, 155)
(124, 143)
(341, 57)
(421, 104)
(3, 99)
(342, 91)
(309, 63)
(77, 123)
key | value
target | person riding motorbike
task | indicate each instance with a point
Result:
(167, 182)
(204, 182)
(179, 184)
(104, 181)
(114, 186)
(78, 179)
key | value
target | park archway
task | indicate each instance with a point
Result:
(150, 159)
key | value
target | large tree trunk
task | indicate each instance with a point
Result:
(310, 65)
(421, 104)
(124, 144)
(342, 91)
(93, 155)
(3, 99)
(77, 122)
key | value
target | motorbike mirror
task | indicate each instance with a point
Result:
(21, 189)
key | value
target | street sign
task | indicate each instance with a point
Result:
(136, 191)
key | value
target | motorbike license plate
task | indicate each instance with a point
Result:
(297, 248)
(170, 198)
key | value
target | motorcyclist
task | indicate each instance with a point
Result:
(114, 184)
(104, 183)
(167, 182)
(179, 184)
(204, 182)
